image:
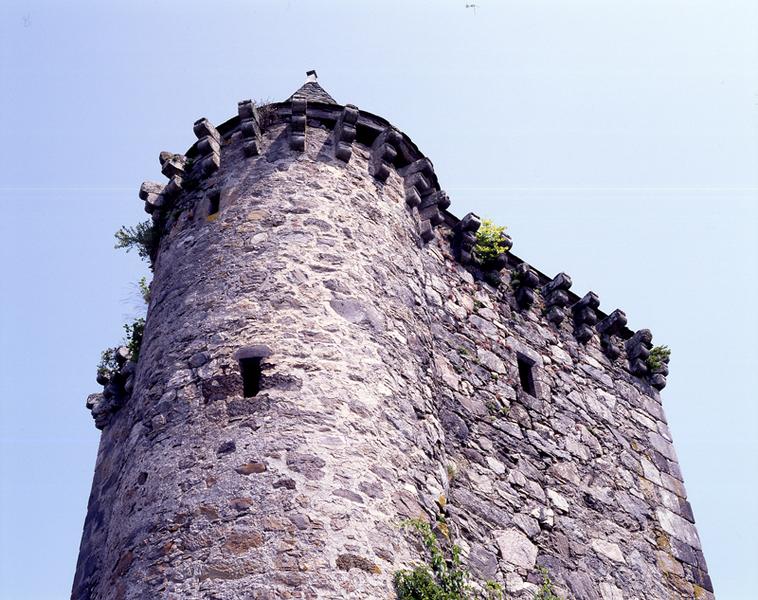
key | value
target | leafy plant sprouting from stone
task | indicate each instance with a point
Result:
(134, 333)
(546, 591)
(658, 356)
(144, 289)
(491, 241)
(444, 577)
(109, 364)
(143, 236)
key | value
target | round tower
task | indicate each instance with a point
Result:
(329, 354)
(268, 443)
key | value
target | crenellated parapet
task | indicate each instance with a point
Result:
(391, 153)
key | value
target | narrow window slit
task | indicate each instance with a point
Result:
(251, 364)
(526, 374)
(251, 376)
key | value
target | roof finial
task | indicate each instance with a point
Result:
(312, 76)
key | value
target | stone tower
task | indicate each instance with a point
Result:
(327, 354)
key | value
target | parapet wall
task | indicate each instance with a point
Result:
(391, 150)
(401, 379)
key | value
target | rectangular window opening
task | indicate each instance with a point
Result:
(526, 374)
(251, 375)
(213, 203)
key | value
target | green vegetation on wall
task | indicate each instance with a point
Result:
(546, 591)
(490, 243)
(444, 577)
(143, 236)
(144, 289)
(109, 365)
(658, 356)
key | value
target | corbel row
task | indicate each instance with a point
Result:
(297, 124)
(556, 297)
(638, 349)
(464, 238)
(383, 153)
(152, 193)
(208, 146)
(658, 374)
(584, 312)
(430, 213)
(117, 388)
(159, 198)
(173, 166)
(585, 316)
(418, 177)
(527, 280)
(417, 181)
(610, 328)
(179, 169)
(421, 196)
(345, 132)
(464, 246)
(250, 128)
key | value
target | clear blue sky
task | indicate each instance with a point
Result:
(616, 139)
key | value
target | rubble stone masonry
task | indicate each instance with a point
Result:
(388, 376)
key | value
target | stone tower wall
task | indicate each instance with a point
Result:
(390, 389)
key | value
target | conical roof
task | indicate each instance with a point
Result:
(312, 91)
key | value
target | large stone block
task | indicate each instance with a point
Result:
(516, 549)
